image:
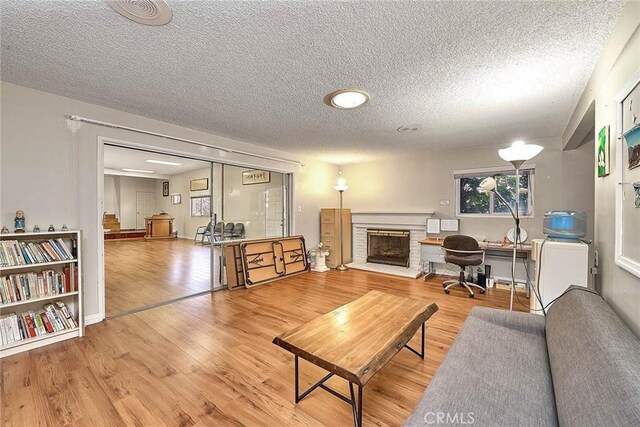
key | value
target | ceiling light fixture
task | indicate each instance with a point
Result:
(146, 12)
(346, 99)
(162, 162)
(408, 128)
(137, 170)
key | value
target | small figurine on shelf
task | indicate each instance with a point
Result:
(5, 230)
(36, 229)
(64, 227)
(19, 221)
(51, 228)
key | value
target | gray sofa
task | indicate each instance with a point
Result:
(579, 366)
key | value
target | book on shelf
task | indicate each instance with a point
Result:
(53, 317)
(14, 252)
(32, 285)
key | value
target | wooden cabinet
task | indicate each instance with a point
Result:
(330, 235)
(159, 227)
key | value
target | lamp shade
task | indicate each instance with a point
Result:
(341, 185)
(519, 152)
(487, 185)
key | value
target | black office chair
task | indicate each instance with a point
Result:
(462, 251)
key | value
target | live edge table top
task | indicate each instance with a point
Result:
(357, 339)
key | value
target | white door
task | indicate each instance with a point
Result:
(145, 206)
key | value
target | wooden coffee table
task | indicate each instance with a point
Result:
(356, 340)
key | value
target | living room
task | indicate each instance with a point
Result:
(246, 85)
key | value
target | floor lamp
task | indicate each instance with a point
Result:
(517, 154)
(341, 187)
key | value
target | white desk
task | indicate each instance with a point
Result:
(499, 257)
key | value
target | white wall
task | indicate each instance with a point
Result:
(112, 194)
(49, 168)
(417, 182)
(619, 62)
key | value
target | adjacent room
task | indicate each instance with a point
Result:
(320, 213)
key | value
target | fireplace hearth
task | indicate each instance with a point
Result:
(389, 247)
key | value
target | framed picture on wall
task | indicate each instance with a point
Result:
(627, 239)
(256, 177)
(199, 184)
(603, 152)
(165, 189)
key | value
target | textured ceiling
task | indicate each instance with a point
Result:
(472, 73)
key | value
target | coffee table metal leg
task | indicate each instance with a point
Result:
(296, 380)
(356, 405)
(421, 353)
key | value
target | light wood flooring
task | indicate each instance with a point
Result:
(209, 361)
(142, 272)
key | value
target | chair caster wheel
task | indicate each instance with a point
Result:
(446, 291)
(471, 295)
(444, 286)
(482, 291)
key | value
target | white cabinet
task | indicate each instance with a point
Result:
(559, 265)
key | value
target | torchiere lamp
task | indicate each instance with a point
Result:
(517, 154)
(341, 187)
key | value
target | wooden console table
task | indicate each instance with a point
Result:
(159, 227)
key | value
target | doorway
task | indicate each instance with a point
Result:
(142, 269)
(145, 207)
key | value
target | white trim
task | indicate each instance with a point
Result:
(102, 312)
(94, 318)
(632, 266)
(188, 141)
(492, 169)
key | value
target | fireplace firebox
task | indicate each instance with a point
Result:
(389, 247)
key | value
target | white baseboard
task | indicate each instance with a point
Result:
(94, 318)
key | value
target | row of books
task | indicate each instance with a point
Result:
(26, 286)
(52, 318)
(14, 252)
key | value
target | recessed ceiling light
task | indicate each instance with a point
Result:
(146, 12)
(136, 170)
(409, 128)
(162, 162)
(346, 98)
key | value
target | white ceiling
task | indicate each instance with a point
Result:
(472, 73)
(117, 158)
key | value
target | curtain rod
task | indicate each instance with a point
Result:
(188, 141)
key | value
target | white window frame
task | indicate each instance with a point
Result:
(194, 198)
(497, 171)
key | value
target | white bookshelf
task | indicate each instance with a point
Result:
(73, 299)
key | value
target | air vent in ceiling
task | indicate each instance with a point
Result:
(147, 12)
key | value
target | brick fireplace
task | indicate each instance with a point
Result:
(412, 225)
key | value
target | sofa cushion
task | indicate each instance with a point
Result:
(595, 362)
(496, 373)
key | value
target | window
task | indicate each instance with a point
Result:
(471, 201)
(176, 199)
(201, 206)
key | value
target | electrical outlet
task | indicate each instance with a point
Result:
(299, 209)
(445, 202)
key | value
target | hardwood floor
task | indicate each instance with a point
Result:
(139, 273)
(209, 361)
